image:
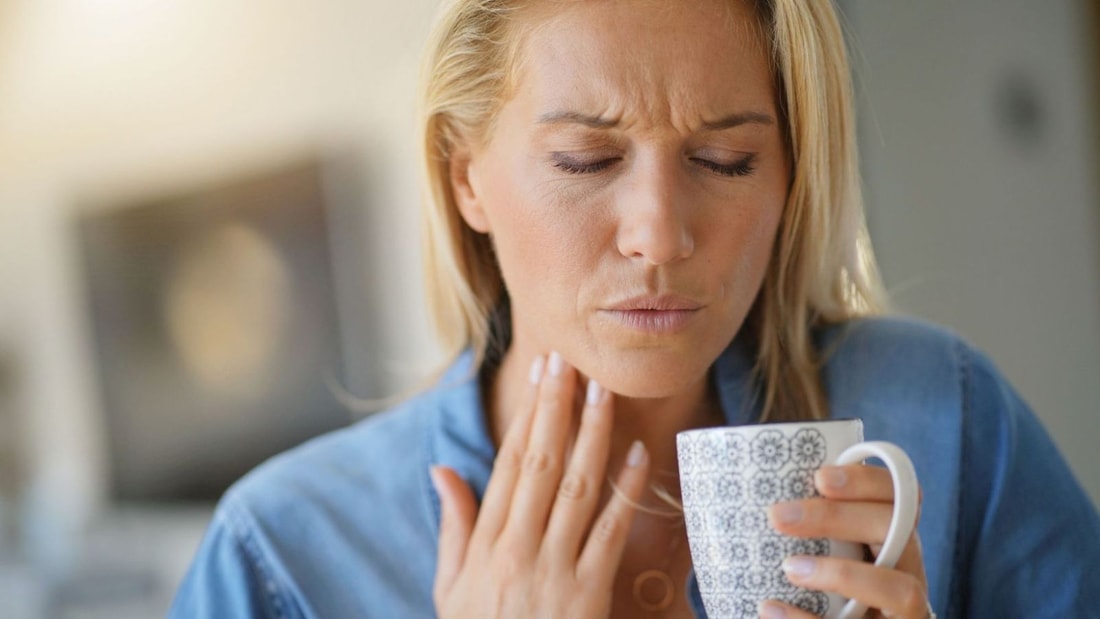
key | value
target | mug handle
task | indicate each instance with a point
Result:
(906, 496)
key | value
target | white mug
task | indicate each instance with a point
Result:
(729, 476)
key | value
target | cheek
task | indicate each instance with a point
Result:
(745, 243)
(545, 243)
(760, 234)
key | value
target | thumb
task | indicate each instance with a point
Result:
(455, 526)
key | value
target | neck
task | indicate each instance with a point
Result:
(654, 421)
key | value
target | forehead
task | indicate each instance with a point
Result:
(644, 60)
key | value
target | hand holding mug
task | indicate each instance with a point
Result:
(760, 532)
(856, 505)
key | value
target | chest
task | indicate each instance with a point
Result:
(645, 590)
(624, 606)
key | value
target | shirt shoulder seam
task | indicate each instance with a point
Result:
(240, 524)
(955, 599)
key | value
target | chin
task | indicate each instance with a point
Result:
(651, 374)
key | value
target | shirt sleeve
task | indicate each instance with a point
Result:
(229, 576)
(1031, 536)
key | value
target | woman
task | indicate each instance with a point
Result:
(644, 217)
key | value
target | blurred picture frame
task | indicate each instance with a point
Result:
(212, 313)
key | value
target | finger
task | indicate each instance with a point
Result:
(912, 559)
(498, 494)
(865, 523)
(543, 459)
(459, 512)
(893, 592)
(857, 482)
(579, 491)
(772, 609)
(603, 549)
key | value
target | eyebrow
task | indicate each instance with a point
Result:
(736, 120)
(597, 122)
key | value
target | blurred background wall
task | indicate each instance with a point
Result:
(979, 131)
(979, 124)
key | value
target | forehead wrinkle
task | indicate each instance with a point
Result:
(635, 87)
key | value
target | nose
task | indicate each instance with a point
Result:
(653, 217)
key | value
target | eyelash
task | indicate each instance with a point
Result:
(744, 167)
(583, 168)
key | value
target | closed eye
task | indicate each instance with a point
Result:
(582, 167)
(742, 167)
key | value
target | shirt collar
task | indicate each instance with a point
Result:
(735, 378)
(458, 435)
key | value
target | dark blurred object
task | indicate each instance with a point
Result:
(215, 331)
(10, 454)
(1020, 112)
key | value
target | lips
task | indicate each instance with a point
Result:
(654, 315)
(662, 303)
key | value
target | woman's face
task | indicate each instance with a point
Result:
(633, 187)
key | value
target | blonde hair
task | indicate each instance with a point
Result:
(823, 269)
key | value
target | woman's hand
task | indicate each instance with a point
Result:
(857, 504)
(537, 548)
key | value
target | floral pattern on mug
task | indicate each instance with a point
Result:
(799, 484)
(765, 490)
(814, 602)
(750, 522)
(736, 454)
(770, 450)
(752, 580)
(731, 487)
(771, 553)
(807, 546)
(808, 449)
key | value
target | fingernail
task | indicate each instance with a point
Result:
(636, 455)
(771, 610)
(536, 369)
(593, 393)
(798, 567)
(787, 512)
(555, 364)
(832, 477)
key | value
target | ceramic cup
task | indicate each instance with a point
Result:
(730, 476)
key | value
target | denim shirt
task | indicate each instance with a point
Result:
(347, 524)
